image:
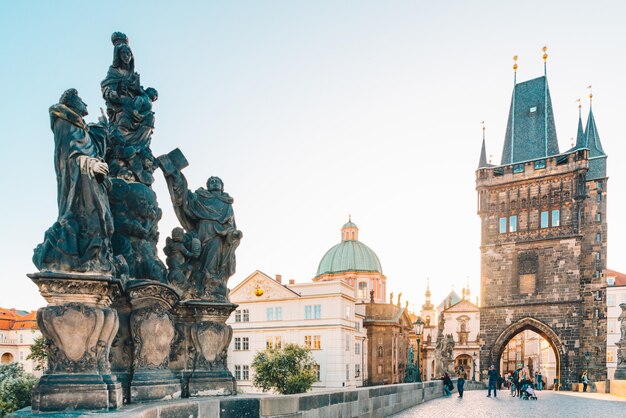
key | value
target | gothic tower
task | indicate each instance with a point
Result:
(544, 238)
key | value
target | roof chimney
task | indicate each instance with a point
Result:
(279, 278)
(292, 281)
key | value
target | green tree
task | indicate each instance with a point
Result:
(38, 353)
(288, 370)
(16, 387)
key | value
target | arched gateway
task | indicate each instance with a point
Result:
(534, 325)
(543, 238)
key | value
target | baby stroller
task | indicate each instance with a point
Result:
(528, 392)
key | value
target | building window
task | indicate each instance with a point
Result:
(610, 357)
(308, 341)
(245, 343)
(357, 370)
(527, 269)
(598, 237)
(238, 315)
(347, 312)
(312, 311)
(357, 348)
(540, 164)
(318, 371)
(513, 223)
(278, 313)
(237, 372)
(269, 314)
(347, 372)
(518, 168)
(544, 219)
(502, 225)
(21, 339)
(599, 217)
(599, 184)
(269, 342)
(362, 290)
(237, 343)
(599, 198)
(610, 326)
(246, 372)
(347, 343)
(278, 342)
(317, 342)
(245, 315)
(556, 217)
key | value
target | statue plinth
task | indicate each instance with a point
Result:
(620, 372)
(78, 326)
(206, 340)
(153, 332)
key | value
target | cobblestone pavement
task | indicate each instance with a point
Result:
(550, 404)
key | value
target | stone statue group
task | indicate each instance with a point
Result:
(99, 259)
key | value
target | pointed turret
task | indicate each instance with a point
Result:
(580, 134)
(597, 156)
(482, 163)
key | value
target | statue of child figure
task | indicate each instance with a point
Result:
(179, 249)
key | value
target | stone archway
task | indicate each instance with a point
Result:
(6, 358)
(534, 325)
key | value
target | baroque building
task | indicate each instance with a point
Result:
(18, 331)
(544, 237)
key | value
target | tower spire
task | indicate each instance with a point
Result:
(513, 107)
(580, 134)
(545, 98)
(482, 162)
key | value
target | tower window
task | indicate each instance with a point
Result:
(513, 223)
(556, 218)
(599, 198)
(598, 217)
(598, 237)
(540, 164)
(533, 109)
(544, 219)
(502, 225)
(599, 184)
(518, 168)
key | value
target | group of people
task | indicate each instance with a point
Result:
(522, 384)
(448, 386)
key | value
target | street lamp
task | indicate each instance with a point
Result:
(418, 327)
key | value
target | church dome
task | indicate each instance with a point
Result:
(349, 255)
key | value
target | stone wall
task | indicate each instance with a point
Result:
(376, 401)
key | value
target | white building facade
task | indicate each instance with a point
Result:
(17, 334)
(615, 295)
(317, 315)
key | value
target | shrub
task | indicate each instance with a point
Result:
(288, 370)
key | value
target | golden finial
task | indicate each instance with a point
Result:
(514, 62)
(590, 92)
(483, 125)
(572, 140)
(545, 53)
(579, 105)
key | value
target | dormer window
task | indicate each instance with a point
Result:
(533, 110)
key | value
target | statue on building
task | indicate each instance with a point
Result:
(208, 215)
(443, 353)
(80, 239)
(620, 372)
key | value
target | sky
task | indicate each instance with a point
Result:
(309, 112)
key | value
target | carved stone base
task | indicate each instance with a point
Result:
(71, 392)
(212, 383)
(154, 385)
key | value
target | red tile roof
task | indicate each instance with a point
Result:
(620, 278)
(12, 319)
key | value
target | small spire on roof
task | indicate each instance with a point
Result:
(514, 69)
(545, 58)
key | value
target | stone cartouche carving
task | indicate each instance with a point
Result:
(80, 239)
(211, 340)
(207, 214)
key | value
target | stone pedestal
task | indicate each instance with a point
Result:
(208, 337)
(620, 372)
(78, 326)
(153, 332)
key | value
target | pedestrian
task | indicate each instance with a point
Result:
(462, 376)
(539, 380)
(585, 380)
(516, 380)
(447, 385)
(493, 380)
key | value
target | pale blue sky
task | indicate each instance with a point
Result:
(309, 111)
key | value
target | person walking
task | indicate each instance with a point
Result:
(539, 380)
(493, 380)
(462, 376)
(516, 379)
(447, 385)
(585, 380)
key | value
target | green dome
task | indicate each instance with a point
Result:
(349, 255)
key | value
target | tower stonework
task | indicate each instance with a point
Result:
(544, 240)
